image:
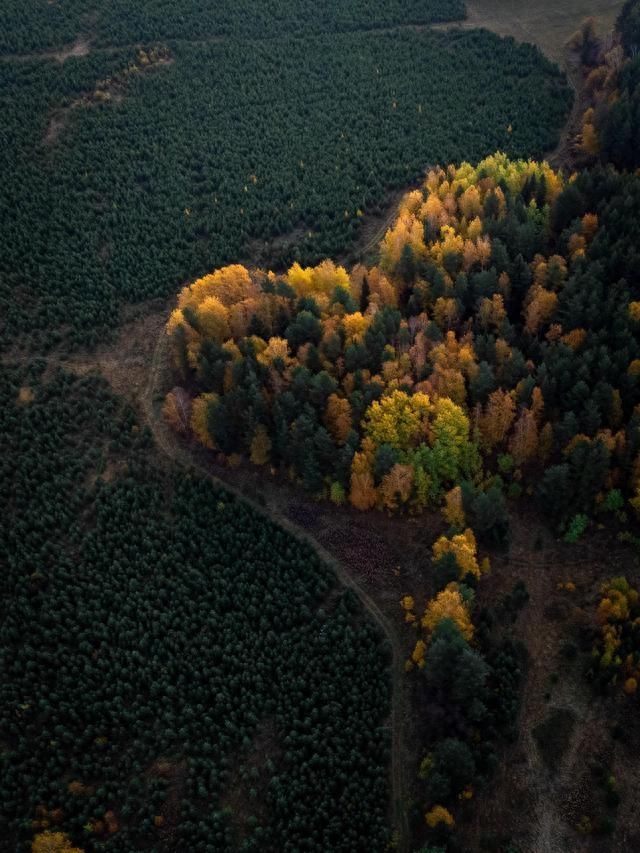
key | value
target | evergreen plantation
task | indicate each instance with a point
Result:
(157, 627)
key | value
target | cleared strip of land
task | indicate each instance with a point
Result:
(546, 23)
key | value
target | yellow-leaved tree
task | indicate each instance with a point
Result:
(439, 815)
(213, 320)
(53, 842)
(322, 279)
(448, 604)
(199, 419)
(406, 231)
(398, 419)
(463, 547)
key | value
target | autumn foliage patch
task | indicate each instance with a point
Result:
(472, 354)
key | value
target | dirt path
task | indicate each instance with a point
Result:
(375, 227)
(563, 155)
(80, 47)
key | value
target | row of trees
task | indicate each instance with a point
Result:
(277, 153)
(466, 673)
(166, 651)
(499, 334)
(616, 652)
(611, 68)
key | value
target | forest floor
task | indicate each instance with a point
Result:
(564, 155)
(546, 781)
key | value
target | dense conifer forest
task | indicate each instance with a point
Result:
(30, 27)
(281, 149)
(176, 670)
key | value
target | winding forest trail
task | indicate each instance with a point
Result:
(562, 156)
(182, 455)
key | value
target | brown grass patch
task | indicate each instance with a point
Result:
(57, 123)
(80, 47)
(546, 23)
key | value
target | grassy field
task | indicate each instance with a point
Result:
(546, 23)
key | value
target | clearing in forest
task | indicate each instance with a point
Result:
(546, 23)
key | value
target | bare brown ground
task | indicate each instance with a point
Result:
(538, 807)
(57, 123)
(80, 47)
(546, 23)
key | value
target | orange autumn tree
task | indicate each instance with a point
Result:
(199, 419)
(395, 488)
(453, 509)
(495, 420)
(464, 548)
(338, 418)
(448, 604)
(439, 815)
(616, 652)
